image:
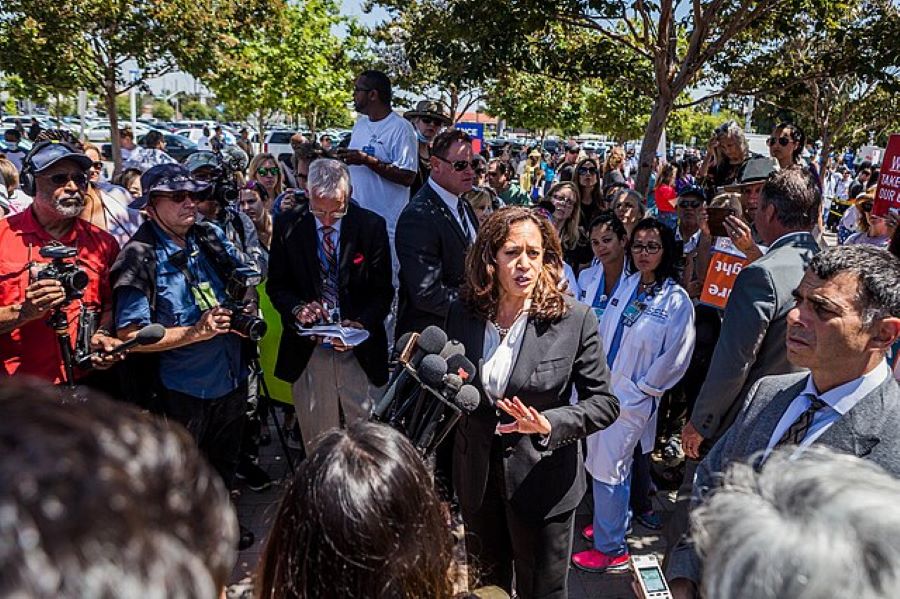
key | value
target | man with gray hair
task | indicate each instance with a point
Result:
(331, 263)
(814, 526)
(844, 319)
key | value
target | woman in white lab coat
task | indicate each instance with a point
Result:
(648, 335)
(597, 283)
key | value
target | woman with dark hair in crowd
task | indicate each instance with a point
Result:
(106, 205)
(568, 221)
(648, 335)
(598, 283)
(665, 195)
(786, 144)
(587, 177)
(517, 465)
(130, 179)
(628, 205)
(253, 201)
(360, 520)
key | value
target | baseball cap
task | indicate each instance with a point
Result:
(693, 191)
(753, 170)
(46, 154)
(168, 177)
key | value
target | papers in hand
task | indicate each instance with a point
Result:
(348, 335)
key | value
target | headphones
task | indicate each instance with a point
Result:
(26, 177)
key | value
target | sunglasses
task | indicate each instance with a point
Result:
(866, 206)
(690, 203)
(650, 248)
(97, 165)
(585, 170)
(176, 197)
(61, 179)
(272, 171)
(460, 165)
(782, 141)
(429, 120)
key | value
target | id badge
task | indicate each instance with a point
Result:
(370, 150)
(204, 296)
(631, 313)
(599, 312)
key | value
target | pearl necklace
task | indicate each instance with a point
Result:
(504, 331)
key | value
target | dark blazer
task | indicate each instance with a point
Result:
(365, 288)
(869, 430)
(431, 248)
(541, 481)
(751, 343)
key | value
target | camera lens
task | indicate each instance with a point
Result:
(251, 326)
(76, 279)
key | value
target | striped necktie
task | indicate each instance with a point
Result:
(795, 433)
(328, 263)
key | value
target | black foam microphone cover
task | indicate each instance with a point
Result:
(459, 362)
(432, 370)
(467, 399)
(431, 341)
(452, 348)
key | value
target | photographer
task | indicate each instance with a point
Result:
(33, 290)
(179, 273)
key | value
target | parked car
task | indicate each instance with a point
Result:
(194, 134)
(102, 131)
(177, 146)
(278, 141)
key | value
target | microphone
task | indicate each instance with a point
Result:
(150, 334)
(431, 374)
(400, 347)
(430, 341)
(460, 365)
(467, 400)
(452, 348)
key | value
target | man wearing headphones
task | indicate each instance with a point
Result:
(55, 174)
(170, 273)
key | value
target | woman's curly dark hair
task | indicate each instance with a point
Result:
(481, 289)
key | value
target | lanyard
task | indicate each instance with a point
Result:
(601, 299)
(636, 306)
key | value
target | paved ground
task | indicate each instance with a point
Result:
(257, 511)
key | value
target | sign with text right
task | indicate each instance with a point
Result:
(887, 194)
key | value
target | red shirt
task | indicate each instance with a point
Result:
(665, 196)
(33, 349)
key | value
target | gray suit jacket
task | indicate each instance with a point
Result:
(870, 430)
(752, 342)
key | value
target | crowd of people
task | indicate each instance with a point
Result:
(709, 321)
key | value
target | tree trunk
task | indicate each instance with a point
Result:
(655, 126)
(109, 92)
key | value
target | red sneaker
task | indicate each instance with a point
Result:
(587, 533)
(596, 561)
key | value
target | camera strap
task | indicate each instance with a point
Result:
(202, 291)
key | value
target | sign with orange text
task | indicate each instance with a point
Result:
(720, 276)
(887, 195)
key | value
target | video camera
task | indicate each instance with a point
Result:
(73, 279)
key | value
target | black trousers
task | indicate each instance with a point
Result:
(499, 544)
(216, 425)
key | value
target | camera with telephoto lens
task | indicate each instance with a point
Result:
(239, 280)
(73, 279)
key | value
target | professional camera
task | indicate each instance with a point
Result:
(240, 279)
(218, 167)
(73, 279)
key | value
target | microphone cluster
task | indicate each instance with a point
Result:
(428, 391)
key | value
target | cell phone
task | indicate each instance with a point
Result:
(716, 220)
(649, 577)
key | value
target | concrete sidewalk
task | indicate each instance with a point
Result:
(257, 511)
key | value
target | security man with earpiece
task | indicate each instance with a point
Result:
(35, 289)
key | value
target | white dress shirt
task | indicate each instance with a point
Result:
(500, 355)
(452, 202)
(840, 400)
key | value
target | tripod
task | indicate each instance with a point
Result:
(59, 322)
(265, 396)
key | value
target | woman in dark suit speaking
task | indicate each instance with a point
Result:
(517, 467)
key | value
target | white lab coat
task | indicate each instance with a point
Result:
(589, 281)
(653, 355)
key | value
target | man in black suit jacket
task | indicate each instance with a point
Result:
(846, 316)
(433, 234)
(332, 257)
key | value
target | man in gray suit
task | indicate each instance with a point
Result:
(844, 319)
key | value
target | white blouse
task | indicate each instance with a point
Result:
(500, 355)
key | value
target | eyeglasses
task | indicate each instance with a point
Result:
(558, 199)
(176, 197)
(460, 165)
(429, 120)
(588, 170)
(272, 171)
(323, 214)
(650, 248)
(62, 179)
(782, 141)
(690, 203)
(866, 206)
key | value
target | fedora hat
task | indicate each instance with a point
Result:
(428, 108)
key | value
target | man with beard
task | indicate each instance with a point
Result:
(55, 174)
(429, 119)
